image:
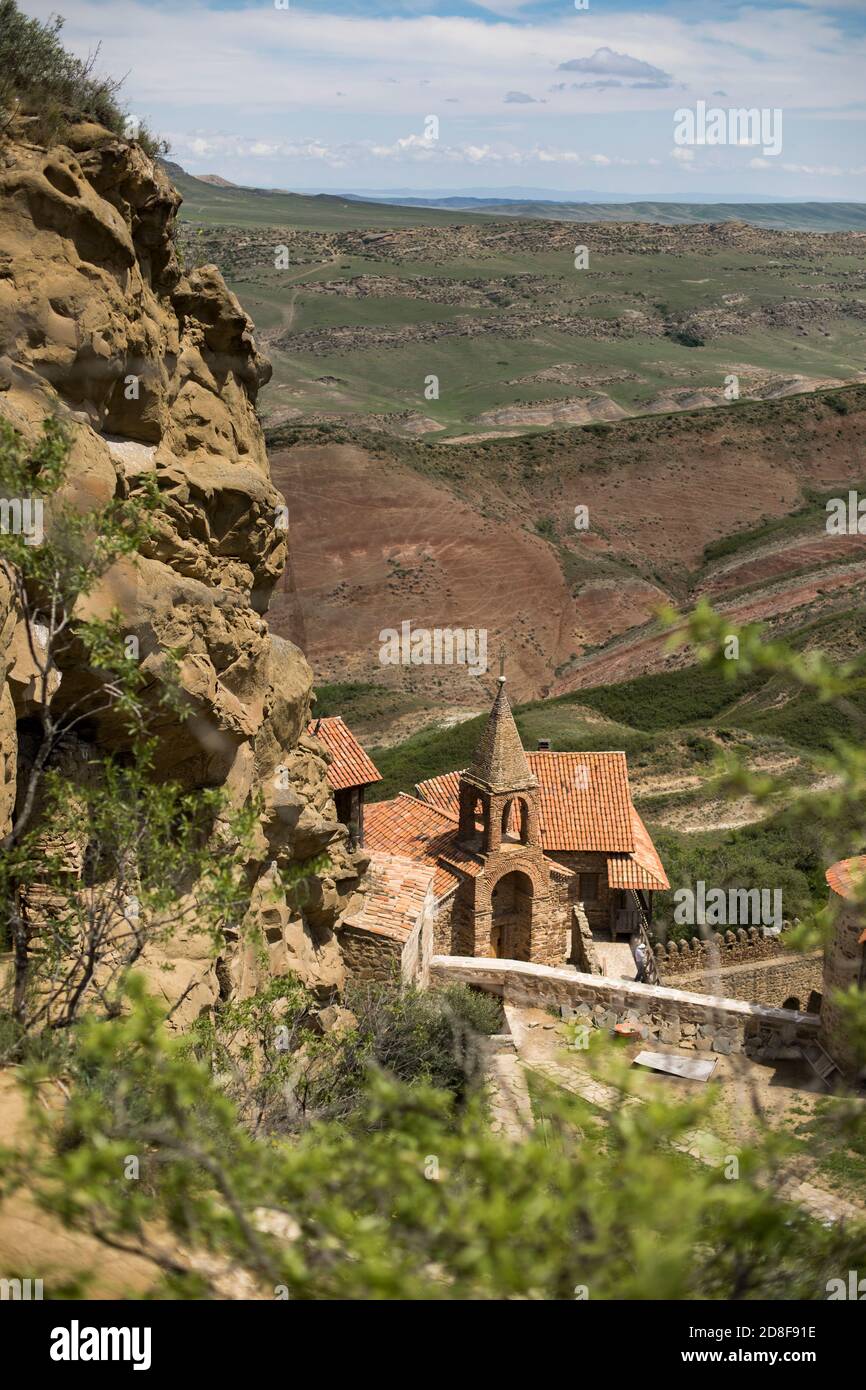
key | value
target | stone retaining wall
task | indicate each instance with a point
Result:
(417, 950)
(775, 981)
(698, 1022)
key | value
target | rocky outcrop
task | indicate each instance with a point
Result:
(155, 373)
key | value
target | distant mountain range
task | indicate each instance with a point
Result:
(786, 216)
(238, 204)
(523, 194)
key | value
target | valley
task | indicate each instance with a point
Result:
(448, 324)
(473, 434)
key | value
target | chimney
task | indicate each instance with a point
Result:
(544, 745)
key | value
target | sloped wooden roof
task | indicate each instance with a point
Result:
(350, 766)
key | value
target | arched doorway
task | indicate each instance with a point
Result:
(511, 923)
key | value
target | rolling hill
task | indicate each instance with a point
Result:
(470, 326)
(784, 216)
(219, 203)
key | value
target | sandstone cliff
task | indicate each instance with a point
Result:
(156, 371)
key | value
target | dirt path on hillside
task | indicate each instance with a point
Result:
(271, 336)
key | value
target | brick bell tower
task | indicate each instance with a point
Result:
(506, 908)
(500, 784)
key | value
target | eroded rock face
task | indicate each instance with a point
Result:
(155, 372)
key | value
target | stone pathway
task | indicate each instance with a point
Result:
(510, 1105)
(616, 959)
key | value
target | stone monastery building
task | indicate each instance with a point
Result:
(523, 854)
(539, 857)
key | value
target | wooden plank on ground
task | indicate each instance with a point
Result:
(693, 1068)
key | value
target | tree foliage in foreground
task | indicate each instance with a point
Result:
(428, 1204)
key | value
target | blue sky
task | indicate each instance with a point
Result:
(338, 94)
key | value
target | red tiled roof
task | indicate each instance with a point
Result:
(350, 765)
(642, 868)
(647, 856)
(410, 827)
(443, 792)
(847, 878)
(395, 893)
(585, 805)
(574, 816)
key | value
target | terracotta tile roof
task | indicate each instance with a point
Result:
(642, 868)
(350, 765)
(597, 816)
(395, 893)
(846, 878)
(410, 827)
(584, 809)
(442, 792)
(647, 855)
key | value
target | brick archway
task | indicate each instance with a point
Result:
(504, 864)
(512, 904)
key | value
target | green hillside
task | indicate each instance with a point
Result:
(255, 207)
(645, 717)
(365, 308)
(812, 217)
(214, 205)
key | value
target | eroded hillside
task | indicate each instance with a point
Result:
(729, 504)
(488, 328)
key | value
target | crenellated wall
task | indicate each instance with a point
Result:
(743, 965)
(716, 951)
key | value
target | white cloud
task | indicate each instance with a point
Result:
(288, 62)
(409, 149)
(268, 78)
(607, 63)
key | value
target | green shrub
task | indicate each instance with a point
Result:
(42, 80)
(430, 1038)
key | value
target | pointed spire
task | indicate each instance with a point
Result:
(499, 764)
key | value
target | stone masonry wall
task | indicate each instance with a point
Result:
(844, 968)
(772, 981)
(371, 953)
(597, 909)
(715, 951)
(417, 950)
(682, 1019)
